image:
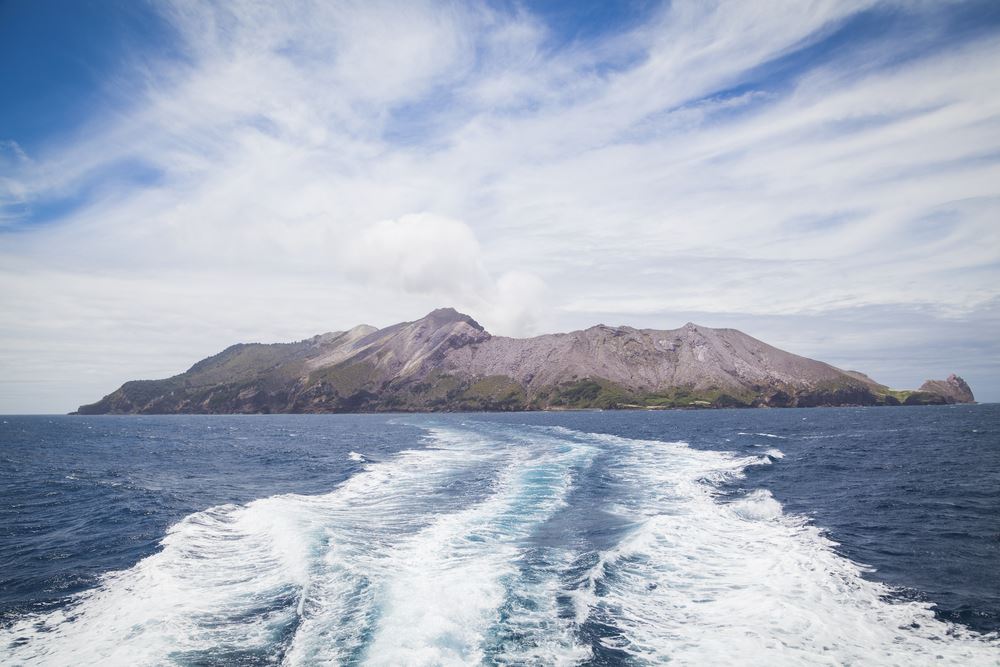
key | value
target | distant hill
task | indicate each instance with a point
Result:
(447, 362)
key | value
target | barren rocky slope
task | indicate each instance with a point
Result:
(954, 389)
(447, 361)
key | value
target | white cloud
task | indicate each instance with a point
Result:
(418, 253)
(323, 164)
(440, 257)
(519, 305)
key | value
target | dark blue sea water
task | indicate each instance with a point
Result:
(820, 536)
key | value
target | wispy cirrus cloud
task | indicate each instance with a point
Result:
(347, 162)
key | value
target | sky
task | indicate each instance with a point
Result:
(179, 176)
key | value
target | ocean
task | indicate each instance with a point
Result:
(829, 536)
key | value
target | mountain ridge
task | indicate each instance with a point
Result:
(446, 361)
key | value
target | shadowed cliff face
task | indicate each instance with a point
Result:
(447, 361)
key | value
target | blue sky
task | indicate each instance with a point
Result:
(178, 176)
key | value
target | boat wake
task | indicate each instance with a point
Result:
(501, 545)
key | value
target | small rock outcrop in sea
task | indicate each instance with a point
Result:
(446, 361)
(937, 392)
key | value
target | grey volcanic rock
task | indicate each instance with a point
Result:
(447, 361)
(647, 360)
(952, 390)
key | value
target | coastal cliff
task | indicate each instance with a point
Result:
(446, 361)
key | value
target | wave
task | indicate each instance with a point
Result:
(481, 548)
(410, 561)
(703, 581)
(234, 583)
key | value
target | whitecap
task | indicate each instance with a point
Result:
(231, 579)
(423, 559)
(758, 505)
(696, 569)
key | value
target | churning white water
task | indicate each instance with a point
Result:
(487, 546)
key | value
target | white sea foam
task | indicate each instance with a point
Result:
(758, 505)
(451, 579)
(700, 581)
(232, 580)
(437, 595)
(438, 556)
(354, 456)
